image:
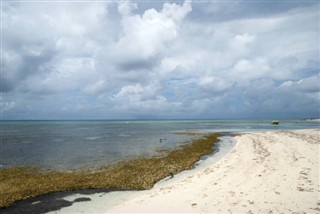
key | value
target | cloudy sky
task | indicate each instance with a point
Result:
(157, 59)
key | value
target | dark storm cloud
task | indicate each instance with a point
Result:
(27, 64)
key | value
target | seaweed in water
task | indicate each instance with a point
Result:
(21, 183)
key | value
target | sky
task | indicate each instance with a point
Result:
(159, 59)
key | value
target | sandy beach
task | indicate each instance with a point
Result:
(266, 172)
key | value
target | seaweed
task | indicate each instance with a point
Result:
(19, 183)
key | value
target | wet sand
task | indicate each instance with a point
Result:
(99, 202)
(266, 172)
(21, 183)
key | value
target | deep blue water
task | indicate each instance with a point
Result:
(73, 144)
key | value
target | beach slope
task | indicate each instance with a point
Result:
(269, 172)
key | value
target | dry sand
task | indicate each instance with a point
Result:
(266, 172)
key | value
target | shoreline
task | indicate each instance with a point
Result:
(269, 171)
(266, 172)
(96, 201)
(137, 174)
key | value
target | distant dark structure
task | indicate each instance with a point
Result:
(275, 122)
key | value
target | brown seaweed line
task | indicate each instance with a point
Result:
(19, 183)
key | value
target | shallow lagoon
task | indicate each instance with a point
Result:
(65, 145)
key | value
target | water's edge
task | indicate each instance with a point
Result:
(55, 201)
(101, 199)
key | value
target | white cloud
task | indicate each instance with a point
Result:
(146, 35)
(139, 99)
(310, 84)
(69, 75)
(244, 38)
(214, 84)
(176, 12)
(166, 59)
(245, 70)
(126, 8)
(307, 85)
(5, 106)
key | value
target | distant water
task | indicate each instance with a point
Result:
(64, 145)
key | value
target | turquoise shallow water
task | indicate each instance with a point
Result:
(65, 145)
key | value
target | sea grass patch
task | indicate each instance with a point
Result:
(20, 183)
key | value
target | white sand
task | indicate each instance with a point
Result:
(100, 202)
(269, 172)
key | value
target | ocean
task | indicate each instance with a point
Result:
(69, 145)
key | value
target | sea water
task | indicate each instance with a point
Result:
(68, 145)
